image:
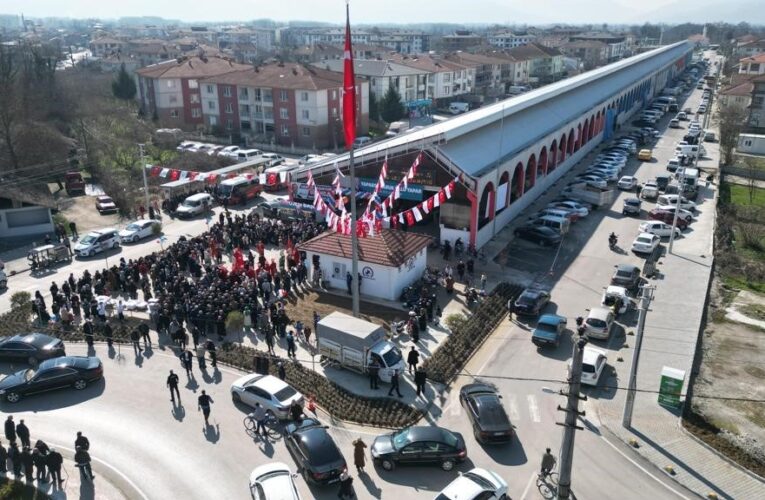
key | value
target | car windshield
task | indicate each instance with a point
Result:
(29, 375)
(624, 273)
(547, 327)
(392, 357)
(528, 298)
(401, 439)
(449, 439)
(133, 227)
(644, 240)
(480, 481)
(587, 368)
(285, 394)
(190, 203)
(88, 239)
(225, 189)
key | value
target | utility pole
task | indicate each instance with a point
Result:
(354, 239)
(646, 296)
(572, 414)
(145, 182)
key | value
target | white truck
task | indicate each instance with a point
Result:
(354, 343)
(596, 197)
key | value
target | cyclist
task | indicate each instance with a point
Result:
(260, 418)
(548, 463)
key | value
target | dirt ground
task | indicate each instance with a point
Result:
(82, 210)
(733, 367)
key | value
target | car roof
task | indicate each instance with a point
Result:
(320, 444)
(70, 361)
(478, 388)
(591, 354)
(551, 319)
(615, 290)
(35, 339)
(268, 383)
(427, 433)
(627, 268)
(599, 313)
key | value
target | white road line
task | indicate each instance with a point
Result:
(645, 471)
(533, 408)
(512, 405)
(528, 485)
(110, 466)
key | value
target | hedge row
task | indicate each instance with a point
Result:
(340, 403)
(460, 345)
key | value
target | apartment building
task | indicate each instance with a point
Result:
(403, 42)
(105, 46)
(591, 53)
(753, 65)
(411, 83)
(446, 80)
(493, 74)
(461, 40)
(750, 48)
(508, 40)
(618, 46)
(334, 36)
(170, 91)
(287, 104)
(545, 63)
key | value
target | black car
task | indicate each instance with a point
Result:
(65, 371)
(541, 235)
(419, 445)
(31, 348)
(487, 415)
(626, 275)
(318, 457)
(531, 302)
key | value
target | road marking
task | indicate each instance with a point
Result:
(645, 471)
(533, 408)
(110, 466)
(513, 407)
(528, 485)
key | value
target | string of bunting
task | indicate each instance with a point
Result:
(172, 174)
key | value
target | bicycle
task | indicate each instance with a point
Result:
(547, 483)
(271, 424)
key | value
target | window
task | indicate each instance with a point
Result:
(306, 132)
(304, 96)
(306, 114)
(334, 112)
(194, 98)
(447, 77)
(211, 105)
(193, 84)
(283, 95)
(229, 124)
(446, 90)
(173, 113)
(210, 89)
(244, 94)
(196, 112)
(754, 67)
(285, 130)
(213, 121)
(334, 95)
(227, 91)
(170, 84)
(229, 108)
(173, 99)
(257, 95)
(284, 113)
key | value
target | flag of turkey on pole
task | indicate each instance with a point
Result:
(349, 86)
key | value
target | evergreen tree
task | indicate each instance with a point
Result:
(391, 108)
(374, 107)
(123, 86)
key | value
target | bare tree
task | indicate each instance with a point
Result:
(751, 180)
(731, 119)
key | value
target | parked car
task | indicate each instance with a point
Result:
(487, 415)
(30, 348)
(187, 145)
(626, 275)
(614, 293)
(645, 155)
(476, 484)
(550, 328)
(593, 180)
(419, 445)
(229, 151)
(273, 394)
(543, 236)
(667, 215)
(710, 137)
(631, 206)
(273, 481)
(575, 207)
(214, 150)
(97, 241)
(557, 212)
(105, 204)
(593, 363)
(531, 302)
(273, 159)
(627, 183)
(674, 123)
(138, 230)
(315, 452)
(649, 190)
(682, 213)
(305, 160)
(598, 323)
(645, 243)
(660, 229)
(51, 374)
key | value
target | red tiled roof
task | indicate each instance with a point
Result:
(283, 76)
(758, 58)
(191, 67)
(742, 89)
(390, 248)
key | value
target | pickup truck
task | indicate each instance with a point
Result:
(74, 183)
(596, 197)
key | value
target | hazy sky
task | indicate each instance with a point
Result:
(403, 11)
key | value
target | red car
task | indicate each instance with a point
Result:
(667, 216)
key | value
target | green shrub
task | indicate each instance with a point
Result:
(21, 300)
(234, 321)
(455, 321)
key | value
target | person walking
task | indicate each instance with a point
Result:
(186, 362)
(87, 330)
(281, 371)
(210, 345)
(82, 460)
(394, 384)
(172, 384)
(10, 429)
(54, 460)
(14, 455)
(82, 441)
(346, 488)
(203, 404)
(296, 411)
(374, 374)
(201, 357)
(420, 377)
(359, 456)
(41, 473)
(290, 345)
(143, 329)
(134, 339)
(3, 459)
(412, 359)
(28, 463)
(108, 333)
(73, 230)
(22, 431)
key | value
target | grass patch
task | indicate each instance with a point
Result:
(756, 311)
(739, 195)
(742, 284)
(724, 425)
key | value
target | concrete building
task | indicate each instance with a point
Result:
(755, 122)
(26, 211)
(509, 40)
(545, 63)
(510, 152)
(617, 45)
(752, 65)
(590, 53)
(287, 104)
(461, 40)
(493, 74)
(751, 144)
(739, 94)
(170, 90)
(104, 46)
(334, 36)
(750, 48)
(411, 83)
(446, 80)
(403, 42)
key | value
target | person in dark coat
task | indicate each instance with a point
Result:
(394, 384)
(82, 460)
(14, 455)
(38, 459)
(346, 488)
(54, 460)
(82, 441)
(374, 374)
(87, 330)
(134, 339)
(359, 456)
(10, 429)
(3, 459)
(412, 359)
(187, 360)
(281, 371)
(28, 463)
(210, 346)
(172, 384)
(22, 431)
(420, 377)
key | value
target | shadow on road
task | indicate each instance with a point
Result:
(423, 477)
(212, 433)
(511, 453)
(179, 411)
(56, 399)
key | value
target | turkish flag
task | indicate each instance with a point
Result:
(409, 218)
(431, 203)
(442, 197)
(393, 221)
(174, 175)
(349, 86)
(155, 171)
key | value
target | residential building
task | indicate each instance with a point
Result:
(493, 74)
(25, 210)
(508, 40)
(170, 92)
(739, 94)
(546, 64)
(403, 42)
(618, 46)
(334, 36)
(287, 104)
(461, 40)
(411, 83)
(105, 46)
(756, 120)
(446, 80)
(262, 38)
(750, 48)
(752, 65)
(591, 53)
(307, 54)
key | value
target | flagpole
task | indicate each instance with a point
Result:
(354, 238)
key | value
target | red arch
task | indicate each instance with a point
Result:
(504, 179)
(543, 161)
(531, 173)
(562, 147)
(516, 187)
(586, 131)
(553, 156)
(486, 205)
(591, 133)
(571, 142)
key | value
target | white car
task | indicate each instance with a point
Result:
(649, 191)
(273, 159)
(627, 183)
(645, 243)
(603, 173)
(593, 363)
(97, 241)
(273, 394)
(305, 160)
(686, 215)
(613, 293)
(185, 145)
(138, 230)
(575, 207)
(593, 180)
(230, 151)
(598, 323)
(213, 151)
(685, 203)
(192, 147)
(273, 481)
(660, 229)
(476, 484)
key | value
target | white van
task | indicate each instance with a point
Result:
(247, 154)
(691, 150)
(560, 224)
(361, 141)
(97, 241)
(273, 159)
(456, 108)
(195, 204)
(396, 128)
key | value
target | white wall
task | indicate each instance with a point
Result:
(12, 229)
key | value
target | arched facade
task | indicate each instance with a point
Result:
(486, 205)
(571, 142)
(551, 163)
(503, 201)
(531, 174)
(516, 185)
(542, 167)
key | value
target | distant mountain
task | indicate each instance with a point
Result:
(703, 11)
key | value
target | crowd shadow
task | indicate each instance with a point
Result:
(179, 411)
(212, 433)
(56, 400)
